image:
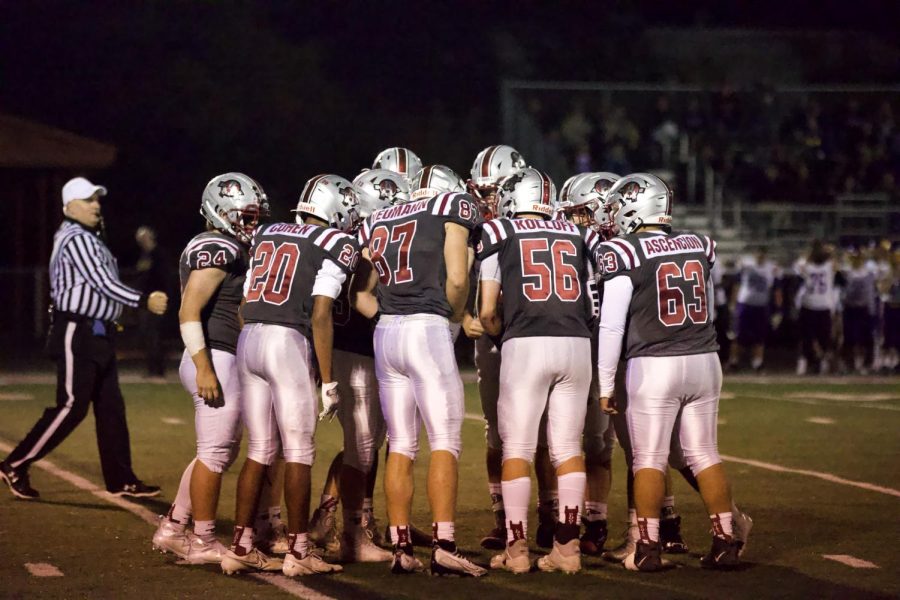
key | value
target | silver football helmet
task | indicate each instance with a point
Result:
(399, 160)
(490, 167)
(527, 191)
(586, 204)
(640, 199)
(380, 188)
(233, 203)
(332, 199)
(434, 180)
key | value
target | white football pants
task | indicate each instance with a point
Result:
(418, 381)
(360, 410)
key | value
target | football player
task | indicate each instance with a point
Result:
(656, 281)
(421, 255)
(759, 278)
(816, 302)
(212, 269)
(859, 300)
(492, 165)
(296, 271)
(542, 268)
(399, 160)
(360, 417)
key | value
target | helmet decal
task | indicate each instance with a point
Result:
(230, 188)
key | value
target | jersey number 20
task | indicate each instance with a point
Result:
(674, 307)
(272, 272)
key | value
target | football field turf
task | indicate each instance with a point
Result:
(816, 463)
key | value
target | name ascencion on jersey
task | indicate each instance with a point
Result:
(664, 245)
(535, 224)
(395, 212)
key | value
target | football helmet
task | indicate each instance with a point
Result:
(640, 199)
(399, 160)
(586, 205)
(434, 180)
(491, 165)
(233, 203)
(332, 199)
(527, 191)
(380, 188)
(564, 190)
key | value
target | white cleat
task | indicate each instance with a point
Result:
(515, 559)
(311, 564)
(564, 557)
(360, 548)
(206, 553)
(323, 530)
(741, 524)
(627, 546)
(449, 561)
(252, 561)
(170, 537)
(371, 527)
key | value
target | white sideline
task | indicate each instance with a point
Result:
(291, 586)
(852, 561)
(43, 570)
(825, 476)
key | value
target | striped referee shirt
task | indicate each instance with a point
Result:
(84, 275)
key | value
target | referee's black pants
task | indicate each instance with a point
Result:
(86, 372)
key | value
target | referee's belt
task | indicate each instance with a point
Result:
(98, 327)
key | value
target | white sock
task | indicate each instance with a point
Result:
(242, 542)
(178, 516)
(516, 497)
(182, 506)
(594, 511)
(648, 529)
(299, 544)
(443, 530)
(571, 496)
(205, 530)
(722, 525)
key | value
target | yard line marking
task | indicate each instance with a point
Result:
(172, 421)
(810, 401)
(843, 397)
(295, 588)
(852, 561)
(474, 417)
(43, 570)
(820, 420)
(16, 396)
(825, 476)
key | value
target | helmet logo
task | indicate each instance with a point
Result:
(230, 188)
(387, 190)
(510, 183)
(602, 186)
(516, 159)
(349, 196)
(631, 190)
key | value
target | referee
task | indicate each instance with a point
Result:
(87, 299)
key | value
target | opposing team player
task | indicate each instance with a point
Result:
(399, 160)
(212, 268)
(296, 271)
(360, 415)
(421, 255)
(656, 281)
(816, 301)
(492, 165)
(758, 289)
(542, 268)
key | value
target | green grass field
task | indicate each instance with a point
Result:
(104, 551)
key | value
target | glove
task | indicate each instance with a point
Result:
(330, 400)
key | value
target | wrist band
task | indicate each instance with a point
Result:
(192, 336)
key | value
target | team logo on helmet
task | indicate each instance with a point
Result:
(516, 158)
(510, 183)
(348, 196)
(387, 190)
(230, 189)
(630, 191)
(602, 186)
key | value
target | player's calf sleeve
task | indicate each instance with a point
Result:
(516, 497)
(182, 507)
(571, 497)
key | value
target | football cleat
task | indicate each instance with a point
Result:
(169, 537)
(515, 558)
(138, 489)
(670, 535)
(627, 546)
(417, 536)
(564, 557)
(594, 537)
(359, 547)
(252, 561)
(205, 553)
(311, 564)
(18, 482)
(405, 562)
(323, 530)
(647, 558)
(742, 524)
(371, 527)
(495, 539)
(446, 560)
(723, 555)
(274, 540)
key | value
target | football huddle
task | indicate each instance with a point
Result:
(591, 323)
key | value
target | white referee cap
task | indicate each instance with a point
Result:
(80, 188)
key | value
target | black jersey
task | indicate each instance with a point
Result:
(215, 250)
(669, 313)
(352, 331)
(407, 247)
(285, 259)
(545, 269)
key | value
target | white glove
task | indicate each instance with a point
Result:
(330, 400)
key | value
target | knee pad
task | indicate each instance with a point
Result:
(449, 442)
(701, 461)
